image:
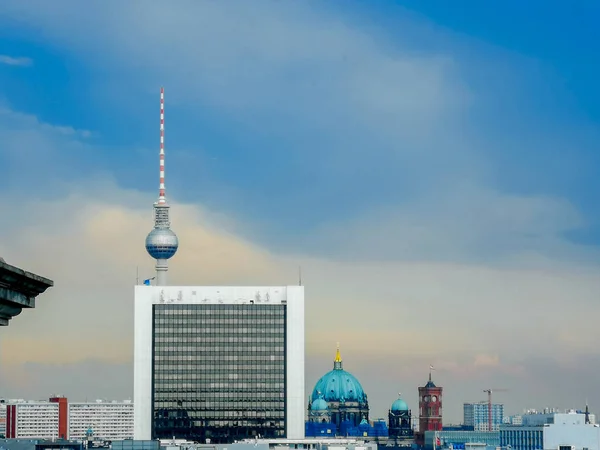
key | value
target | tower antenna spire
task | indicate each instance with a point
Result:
(161, 189)
(161, 242)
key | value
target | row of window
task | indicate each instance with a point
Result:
(195, 330)
(256, 337)
(220, 410)
(219, 351)
(257, 357)
(224, 423)
(259, 394)
(163, 359)
(192, 322)
(248, 316)
(196, 308)
(221, 406)
(213, 382)
(198, 389)
(174, 365)
(187, 369)
(194, 375)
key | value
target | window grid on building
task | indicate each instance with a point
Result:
(37, 420)
(107, 420)
(219, 371)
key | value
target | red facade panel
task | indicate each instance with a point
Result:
(11, 421)
(63, 411)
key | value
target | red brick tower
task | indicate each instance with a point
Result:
(430, 410)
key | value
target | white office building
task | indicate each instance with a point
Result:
(219, 363)
(562, 431)
(108, 420)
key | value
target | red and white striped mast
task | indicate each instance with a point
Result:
(162, 243)
(161, 189)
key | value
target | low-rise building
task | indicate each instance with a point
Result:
(59, 419)
(457, 438)
(551, 431)
(32, 420)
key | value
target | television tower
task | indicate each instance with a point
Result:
(161, 242)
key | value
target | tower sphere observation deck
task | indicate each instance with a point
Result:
(162, 243)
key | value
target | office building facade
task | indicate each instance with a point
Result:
(218, 364)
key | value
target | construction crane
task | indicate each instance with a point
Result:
(489, 393)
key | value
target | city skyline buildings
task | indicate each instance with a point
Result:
(66, 216)
(59, 418)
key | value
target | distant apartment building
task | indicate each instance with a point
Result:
(476, 415)
(57, 418)
(2, 418)
(109, 421)
(33, 419)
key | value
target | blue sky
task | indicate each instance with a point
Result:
(364, 134)
(533, 121)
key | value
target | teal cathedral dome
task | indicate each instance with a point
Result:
(399, 405)
(343, 395)
(339, 385)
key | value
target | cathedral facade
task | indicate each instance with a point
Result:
(338, 398)
(338, 406)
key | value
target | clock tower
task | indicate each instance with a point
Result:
(430, 409)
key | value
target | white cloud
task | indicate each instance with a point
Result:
(12, 61)
(462, 223)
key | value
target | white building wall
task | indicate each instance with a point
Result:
(554, 430)
(571, 418)
(295, 362)
(146, 296)
(37, 420)
(142, 361)
(108, 420)
(580, 436)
